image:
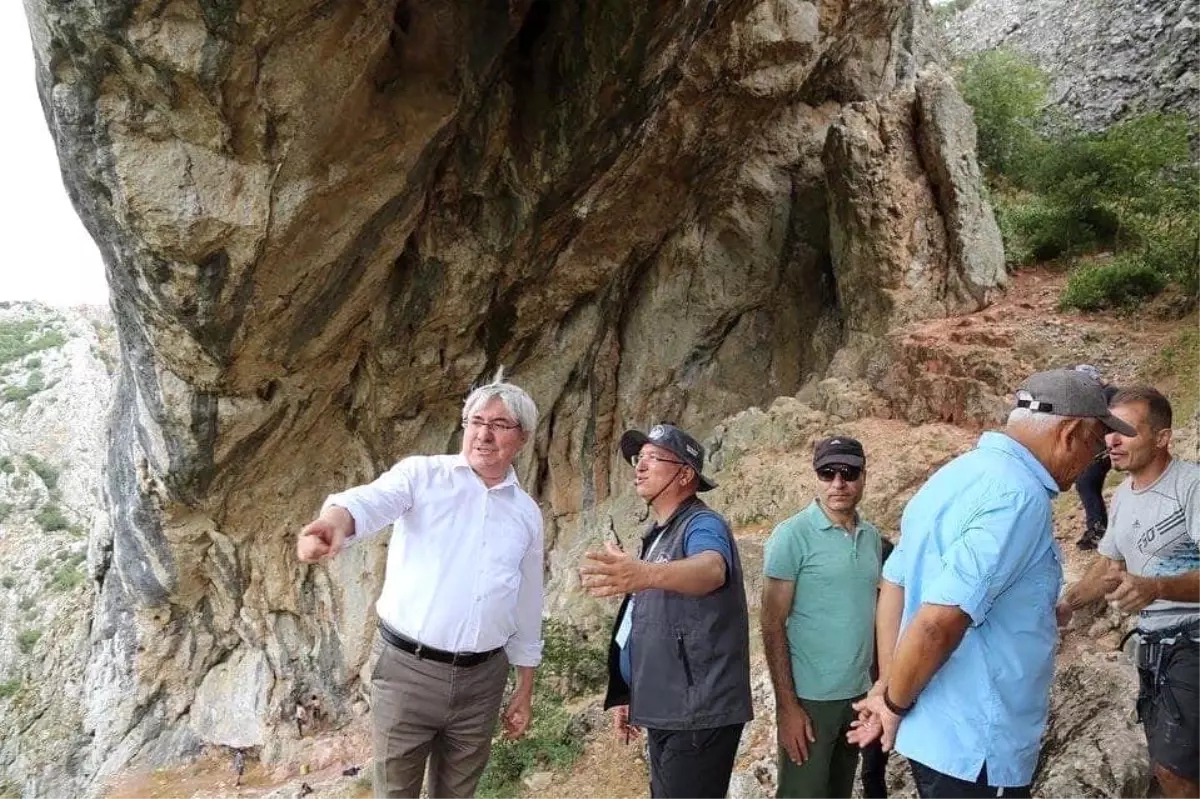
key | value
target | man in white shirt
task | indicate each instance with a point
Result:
(461, 599)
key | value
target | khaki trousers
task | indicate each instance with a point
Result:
(423, 710)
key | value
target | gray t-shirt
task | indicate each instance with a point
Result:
(1156, 531)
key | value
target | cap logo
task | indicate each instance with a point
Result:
(835, 442)
(691, 450)
(1035, 405)
(658, 431)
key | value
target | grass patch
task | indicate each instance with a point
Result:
(25, 337)
(66, 578)
(6, 509)
(26, 603)
(27, 639)
(7, 466)
(51, 519)
(34, 384)
(9, 688)
(8, 581)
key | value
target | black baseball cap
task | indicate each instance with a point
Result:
(669, 437)
(839, 451)
(1071, 393)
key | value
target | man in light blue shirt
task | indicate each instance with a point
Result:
(966, 625)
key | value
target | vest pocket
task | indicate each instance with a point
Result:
(683, 657)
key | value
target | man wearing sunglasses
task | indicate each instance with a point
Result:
(679, 659)
(818, 624)
(966, 617)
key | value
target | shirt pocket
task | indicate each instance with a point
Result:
(502, 563)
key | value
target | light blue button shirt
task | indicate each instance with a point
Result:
(978, 535)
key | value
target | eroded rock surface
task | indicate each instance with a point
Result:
(322, 221)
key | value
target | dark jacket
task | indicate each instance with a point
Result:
(689, 655)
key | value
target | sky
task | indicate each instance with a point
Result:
(48, 255)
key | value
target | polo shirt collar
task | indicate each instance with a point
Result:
(510, 479)
(999, 442)
(820, 519)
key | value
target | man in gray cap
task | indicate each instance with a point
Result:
(679, 660)
(966, 623)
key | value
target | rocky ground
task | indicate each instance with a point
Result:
(951, 376)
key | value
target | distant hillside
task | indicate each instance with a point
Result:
(55, 383)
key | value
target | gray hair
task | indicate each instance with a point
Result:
(516, 401)
(1033, 421)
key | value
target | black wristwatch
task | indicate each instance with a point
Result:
(892, 706)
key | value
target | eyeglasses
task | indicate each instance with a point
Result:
(849, 473)
(495, 425)
(652, 460)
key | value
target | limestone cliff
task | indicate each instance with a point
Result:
(1106, 61)
(322, 221)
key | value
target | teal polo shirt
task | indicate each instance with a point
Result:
(831, 629)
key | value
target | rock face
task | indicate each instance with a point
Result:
(1107, 61)
(323, 221)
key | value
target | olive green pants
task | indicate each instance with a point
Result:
(832, 760)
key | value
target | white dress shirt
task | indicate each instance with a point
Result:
(464, 568)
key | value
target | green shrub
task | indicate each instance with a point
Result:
(1121, 283)
(550, 742)
(9, 688)
(45, 470)
(18, 339)
(27, 639)
(6, 464)
(50, 518)
(66, 578)
(1007, 93)
(1035, 229)
(26, 603)
(42, 564)
(8, 581)
(575, 661)
(34, 384)
(6, 509)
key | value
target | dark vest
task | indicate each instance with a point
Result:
(690, 655)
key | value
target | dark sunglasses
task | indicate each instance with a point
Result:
(849, 473)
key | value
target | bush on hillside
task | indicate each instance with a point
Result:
(27, 639)
(1007, 92)
(1121, 283)
(44, 469)
(18, 339)
(51, 519)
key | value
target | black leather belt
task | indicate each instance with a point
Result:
(406, 644)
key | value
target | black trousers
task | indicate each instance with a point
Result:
(874, 771)
(692, 763)
(1090, 484)
(936, 785)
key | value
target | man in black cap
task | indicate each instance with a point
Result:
(818, 624)
(679, 660)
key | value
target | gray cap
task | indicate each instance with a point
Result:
(669, 437)
(1066, 392)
